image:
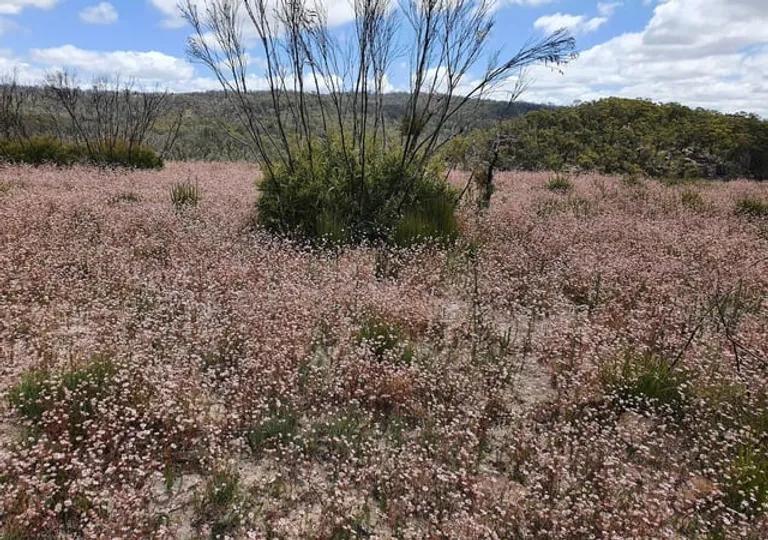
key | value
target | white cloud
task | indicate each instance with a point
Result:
(146, 67)
(24, 72)
(13, 7)
(577, 24)
(607, 9)
(101, 13)
(170, 9)
(708, 53)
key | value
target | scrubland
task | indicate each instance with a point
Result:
(587, 361)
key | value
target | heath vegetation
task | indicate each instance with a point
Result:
(373, 332)
(555, 374)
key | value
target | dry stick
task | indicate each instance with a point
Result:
(173, 135)
(199, 50)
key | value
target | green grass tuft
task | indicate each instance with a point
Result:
(221, 505)
(692, 200)
(185, 195)
(385, 340)
(559, 184)
(280, 427)
(752, 207)
(645, 381)
(746, 491)
(39, 389)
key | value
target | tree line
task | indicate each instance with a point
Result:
(626, 136)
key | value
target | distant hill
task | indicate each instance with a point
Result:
(211, 129)
(628, 136)
(614, 135)
(210, 117)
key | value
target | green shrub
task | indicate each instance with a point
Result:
(746, 491)
(325, 200)
(40, 151)
(385, 339)
(753, 207)
(121, 155)
(45, 150)
(185, 195)
(560, 184)
(645, 380)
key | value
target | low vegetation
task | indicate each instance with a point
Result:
(559, 183)
(169, 377)
(221, 506)
(692, 200)
(754, 207)
(747, 489)
(45, 151)
(645, 380)
(385, 340)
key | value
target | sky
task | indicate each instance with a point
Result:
(702, 53)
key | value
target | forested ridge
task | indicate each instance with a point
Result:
(631, 136)
(612, 136)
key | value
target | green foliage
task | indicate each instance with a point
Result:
(340, 435)
(45, 150)
(120, 155)
(39, 151)
(431, 219)
(625, 136)
(28, 398)
(185, 195)
(692, 200)
(560, 184)
(279, 427)
(385, 339)
(322, 201)
(221, 504)
(76, 390)
(752, 207)
(645, 380)
(632, 181)
(746, 491)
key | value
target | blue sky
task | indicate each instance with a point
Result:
(710, 53)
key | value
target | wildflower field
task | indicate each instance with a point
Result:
(587, 360)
